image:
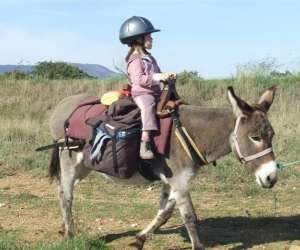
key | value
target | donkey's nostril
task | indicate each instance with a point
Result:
(271, 180)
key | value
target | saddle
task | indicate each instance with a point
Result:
(77, 128)
(169, 100)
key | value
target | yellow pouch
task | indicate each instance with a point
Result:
(110, 97)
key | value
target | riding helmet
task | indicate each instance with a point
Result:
(135, 27)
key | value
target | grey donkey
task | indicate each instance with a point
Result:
(244, 130)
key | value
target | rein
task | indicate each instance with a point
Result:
(237, 147)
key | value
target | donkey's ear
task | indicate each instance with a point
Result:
(266, 99)
(239, 106)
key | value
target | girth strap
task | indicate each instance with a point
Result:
(196, 156)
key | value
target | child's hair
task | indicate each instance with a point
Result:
(136, 46)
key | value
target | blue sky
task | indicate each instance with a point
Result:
(210, 36)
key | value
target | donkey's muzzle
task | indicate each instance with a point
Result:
(266, 175)
(269, 183)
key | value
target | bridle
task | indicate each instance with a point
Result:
(243, 158)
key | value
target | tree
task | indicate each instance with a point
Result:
(58, 70)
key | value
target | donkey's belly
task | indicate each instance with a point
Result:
(137, 179)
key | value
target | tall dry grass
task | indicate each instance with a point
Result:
(25, 106)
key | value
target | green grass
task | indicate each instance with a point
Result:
(79, 243)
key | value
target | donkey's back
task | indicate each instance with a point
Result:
(61, 113)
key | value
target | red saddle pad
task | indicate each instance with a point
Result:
(78, 129)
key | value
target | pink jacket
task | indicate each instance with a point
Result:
(141, 72)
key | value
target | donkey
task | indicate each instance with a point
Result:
(244, 130)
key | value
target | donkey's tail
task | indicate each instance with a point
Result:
(54, 167)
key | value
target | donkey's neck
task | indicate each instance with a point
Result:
(210, 128)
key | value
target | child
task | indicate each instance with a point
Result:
(144, 75)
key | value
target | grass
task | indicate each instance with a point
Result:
(80, 243)
(234, 213)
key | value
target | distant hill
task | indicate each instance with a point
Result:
(20, 68)
(95, 70)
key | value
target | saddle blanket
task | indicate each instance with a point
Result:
(78, 129)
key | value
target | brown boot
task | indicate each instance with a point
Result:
(146, 152)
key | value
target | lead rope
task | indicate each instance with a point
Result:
(281, 165)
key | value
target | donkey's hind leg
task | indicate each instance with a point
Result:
(71, 170)
(167, 206)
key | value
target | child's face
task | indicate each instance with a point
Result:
(148, 42)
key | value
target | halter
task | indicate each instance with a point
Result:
(237, 147)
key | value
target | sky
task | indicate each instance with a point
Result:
(209, 36)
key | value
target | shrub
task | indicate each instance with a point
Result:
(15, 75)
(189, 77)
(58, 70)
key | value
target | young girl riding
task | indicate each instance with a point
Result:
(144, 75)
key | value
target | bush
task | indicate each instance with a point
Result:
(276, 73)
(189, 77)
(58, 70)
(259, 68)
(15, 75)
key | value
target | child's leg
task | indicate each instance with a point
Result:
(146, 147)
(147, 105)
(146, 136)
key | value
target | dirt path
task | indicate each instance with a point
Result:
(29, 213)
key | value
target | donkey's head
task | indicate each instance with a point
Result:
(251, 140)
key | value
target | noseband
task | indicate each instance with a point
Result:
(237, 147)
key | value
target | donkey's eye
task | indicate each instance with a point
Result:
(255, 138)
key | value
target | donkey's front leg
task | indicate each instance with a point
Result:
(185, 206)
(164, 213)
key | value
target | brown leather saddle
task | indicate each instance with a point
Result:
(169, 99)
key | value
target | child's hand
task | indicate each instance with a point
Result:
(167, 76)
(172, 76)
(164, 77)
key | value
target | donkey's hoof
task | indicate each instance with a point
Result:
(70, 235)
(66, 235)
(62, 230)
(61, 233)
(139, 242)
(201, 247)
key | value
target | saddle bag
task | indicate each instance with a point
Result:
(114, 144)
